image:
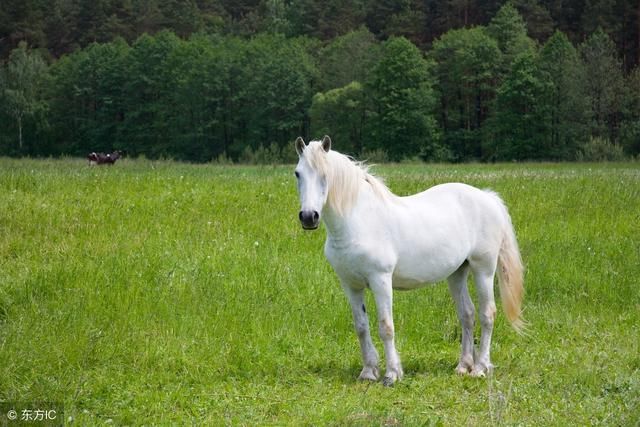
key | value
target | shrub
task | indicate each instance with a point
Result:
(600, 150)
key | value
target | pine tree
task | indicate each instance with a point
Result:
(561, 67)
(603, 84)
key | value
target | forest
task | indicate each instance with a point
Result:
(388, 80)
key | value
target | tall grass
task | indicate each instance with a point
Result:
(164, 293)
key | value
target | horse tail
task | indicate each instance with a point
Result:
(510, 278)
(510, 275)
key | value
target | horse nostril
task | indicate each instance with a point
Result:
(316, 216)
(300, 215)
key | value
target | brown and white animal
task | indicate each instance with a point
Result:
(104, 159)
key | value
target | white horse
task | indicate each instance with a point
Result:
(380, 241)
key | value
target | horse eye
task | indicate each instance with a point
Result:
(297, 174)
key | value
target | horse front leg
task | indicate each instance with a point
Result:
(370, 370)
(383, 294)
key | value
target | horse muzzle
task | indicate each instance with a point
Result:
(309, 219)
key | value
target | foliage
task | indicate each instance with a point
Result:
(509, 30)
(403, 101)
(21, 86)
(519, 124)
(62, 26)
(88, 99)
(565, 98)
(228, 78)
(599, 150)
(467, 64)
(603, 80)
(275, 90)
(342, 113)
(186, 99)
(630, 127)
(348, 58)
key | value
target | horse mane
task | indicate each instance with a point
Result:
(345, 177)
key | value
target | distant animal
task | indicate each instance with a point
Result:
(380, 241)
(104, 159)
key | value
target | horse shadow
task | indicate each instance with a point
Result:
(333, 371)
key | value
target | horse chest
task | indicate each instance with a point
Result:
(354, 261)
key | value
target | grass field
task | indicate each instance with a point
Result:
(166, 293)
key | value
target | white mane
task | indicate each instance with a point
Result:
(345, 177)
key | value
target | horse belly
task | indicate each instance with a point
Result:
(429, 253)
(417, 271)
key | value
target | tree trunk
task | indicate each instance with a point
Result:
(20, 132)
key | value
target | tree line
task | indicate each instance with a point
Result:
(63, 26)
(485, 92)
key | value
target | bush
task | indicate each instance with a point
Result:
(600, 150)
(630, 137)
(223, 159)
(271, 155)
(375, 156)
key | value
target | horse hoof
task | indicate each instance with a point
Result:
(368, 374)
(481, 371)
(388, 381)
(478, 373)
(463, 370)
(391, 376)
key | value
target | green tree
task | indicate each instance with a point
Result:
(325, 19)
(204, 72)
(467, 63)
(600, 14)
(22, 81)
(89, 99)
(379, 11)
(630, 128)
(148, 16)
(348, 58)
(275, 87)
(341, 113)
(539, 22)
(509, 29)
(403, 102)
(276, 19)
(410, 22)
(151, 114)
(560, 65)
(518, 127)
(182, 16)
(603, 84)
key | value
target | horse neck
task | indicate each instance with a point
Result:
(337, 226)
(346, 223)
(353, 195)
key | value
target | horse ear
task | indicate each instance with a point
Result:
(300, 146)
(326, 143)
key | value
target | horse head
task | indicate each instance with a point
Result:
(311, 174)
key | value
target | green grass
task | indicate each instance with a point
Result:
(165, 293)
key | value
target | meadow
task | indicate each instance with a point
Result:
(163, 293)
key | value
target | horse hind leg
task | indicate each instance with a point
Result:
(486, 314)
(466, 315)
